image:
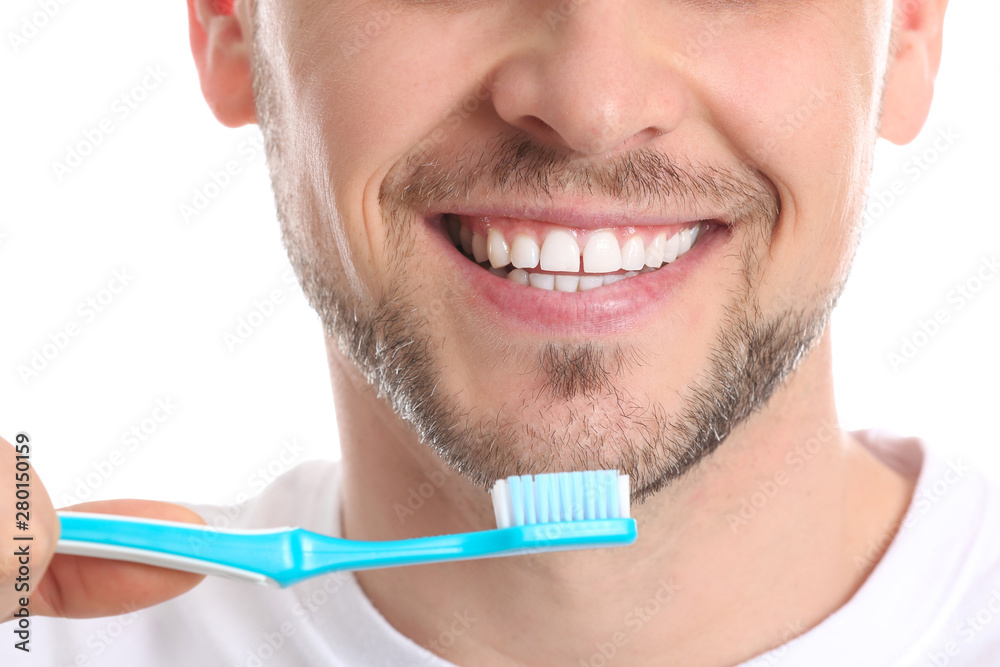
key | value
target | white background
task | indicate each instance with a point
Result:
(266, 404)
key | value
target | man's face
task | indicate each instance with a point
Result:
(609, 125)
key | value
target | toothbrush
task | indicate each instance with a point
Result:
(535, 514)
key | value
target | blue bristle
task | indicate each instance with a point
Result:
(542, 489)
(611, 491)
(577, 509)
(558, 497)
(528, 486)
(565, 497)
(516, 500)
(590, 494)
(601, 481)
(554, 502)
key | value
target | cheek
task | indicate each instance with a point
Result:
(377, 84)
(799, 108)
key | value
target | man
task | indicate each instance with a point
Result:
(658, 253)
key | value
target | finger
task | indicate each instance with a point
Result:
(29, 527)
(83, 587)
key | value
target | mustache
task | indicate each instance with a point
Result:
(515, 166)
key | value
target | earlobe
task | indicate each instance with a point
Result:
(220, 43)
(909, 91)
(913, 67)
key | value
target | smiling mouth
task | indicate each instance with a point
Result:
(565, 259)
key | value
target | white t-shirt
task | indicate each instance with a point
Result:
(933, 600)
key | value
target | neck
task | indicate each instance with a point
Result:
(756, 545)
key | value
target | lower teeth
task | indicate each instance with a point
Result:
(563, 282)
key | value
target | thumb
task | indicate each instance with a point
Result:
(83, 587)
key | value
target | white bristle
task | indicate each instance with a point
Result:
(501, 503)
(564, 496)
(624, 495)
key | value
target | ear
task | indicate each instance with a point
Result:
(913, 65)
(220, 43)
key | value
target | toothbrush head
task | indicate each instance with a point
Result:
(525, 500)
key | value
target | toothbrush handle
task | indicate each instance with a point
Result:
(285, 556)
(246, 555)
(281, 555)
(322, 554)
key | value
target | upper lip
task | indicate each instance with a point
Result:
(579, 213)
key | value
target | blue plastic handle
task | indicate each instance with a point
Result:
(288, 556)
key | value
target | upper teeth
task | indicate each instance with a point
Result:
(560, 252)
(497, 249)
(604, 253)
(524, 252)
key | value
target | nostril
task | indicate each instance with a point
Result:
(541, 131)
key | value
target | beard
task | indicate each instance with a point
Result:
(582, 412)
(581, 415)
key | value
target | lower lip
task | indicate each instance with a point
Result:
(612, 309)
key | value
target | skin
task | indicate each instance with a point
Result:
(596, 83)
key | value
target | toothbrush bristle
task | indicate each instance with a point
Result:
(563, 496)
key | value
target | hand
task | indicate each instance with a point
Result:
(76, 586)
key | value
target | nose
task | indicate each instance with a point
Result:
(589, 82)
